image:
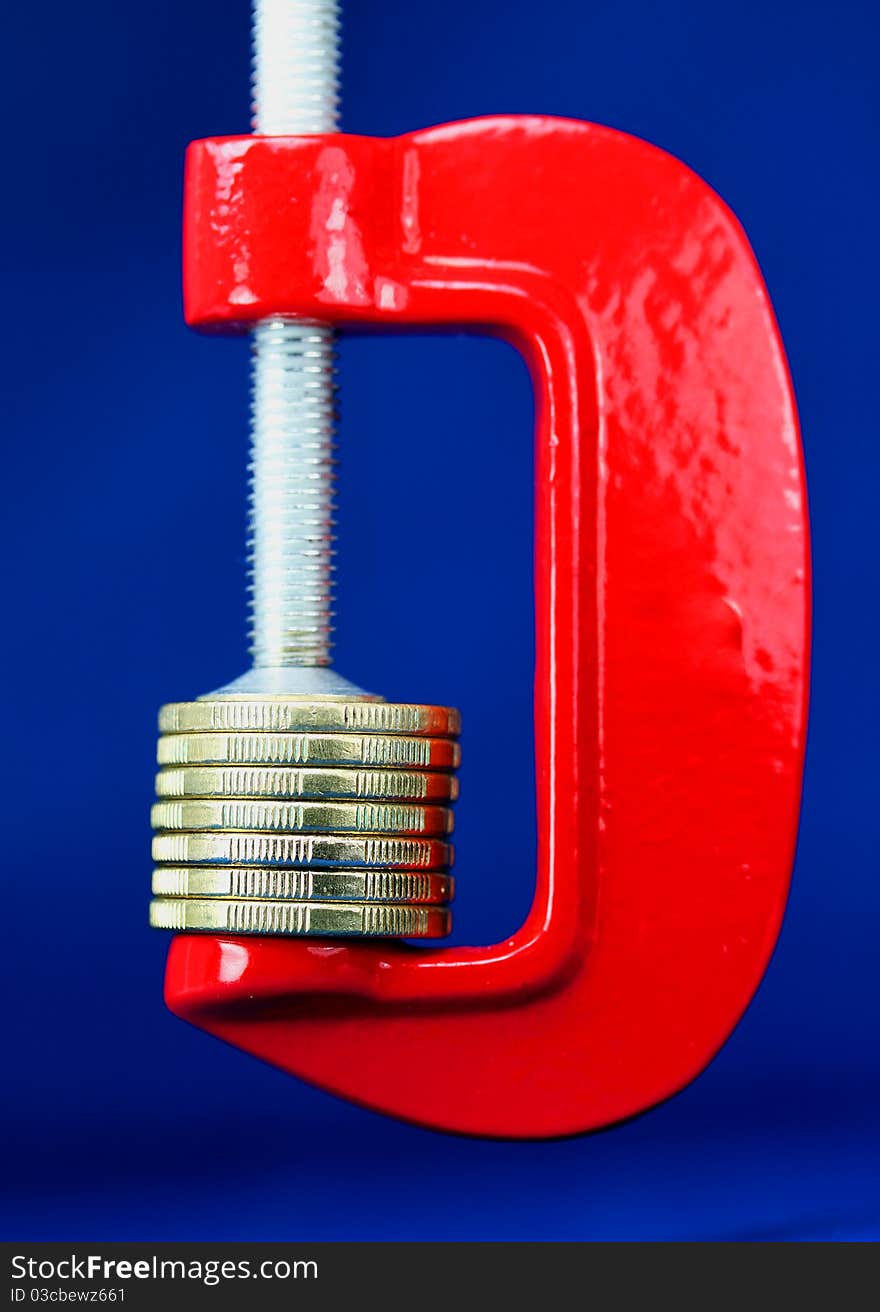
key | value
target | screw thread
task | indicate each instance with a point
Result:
(290, 540)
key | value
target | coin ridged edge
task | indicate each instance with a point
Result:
(376, 751)
(303, 817)
(280, 715)
(323, 851)
(321, 919)
(262, 883)
(319, 784)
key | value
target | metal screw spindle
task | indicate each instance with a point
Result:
(290, 537)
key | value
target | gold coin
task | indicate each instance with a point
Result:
(325, 851)
(263, 781)
(355, 919)
(258, 882)
(370, 749)
(284, 714)
(303, 817)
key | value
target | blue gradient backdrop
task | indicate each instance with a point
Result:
(120, 424)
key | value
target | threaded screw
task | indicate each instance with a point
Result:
(290, 536)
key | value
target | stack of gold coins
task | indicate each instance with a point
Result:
(304, 816)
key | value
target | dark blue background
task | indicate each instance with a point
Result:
(123, 496)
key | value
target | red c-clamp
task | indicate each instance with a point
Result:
(671, 610)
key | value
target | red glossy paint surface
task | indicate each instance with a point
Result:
(671, 611)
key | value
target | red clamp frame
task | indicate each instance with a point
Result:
(671, 610)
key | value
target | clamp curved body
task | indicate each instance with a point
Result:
(671, 610)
